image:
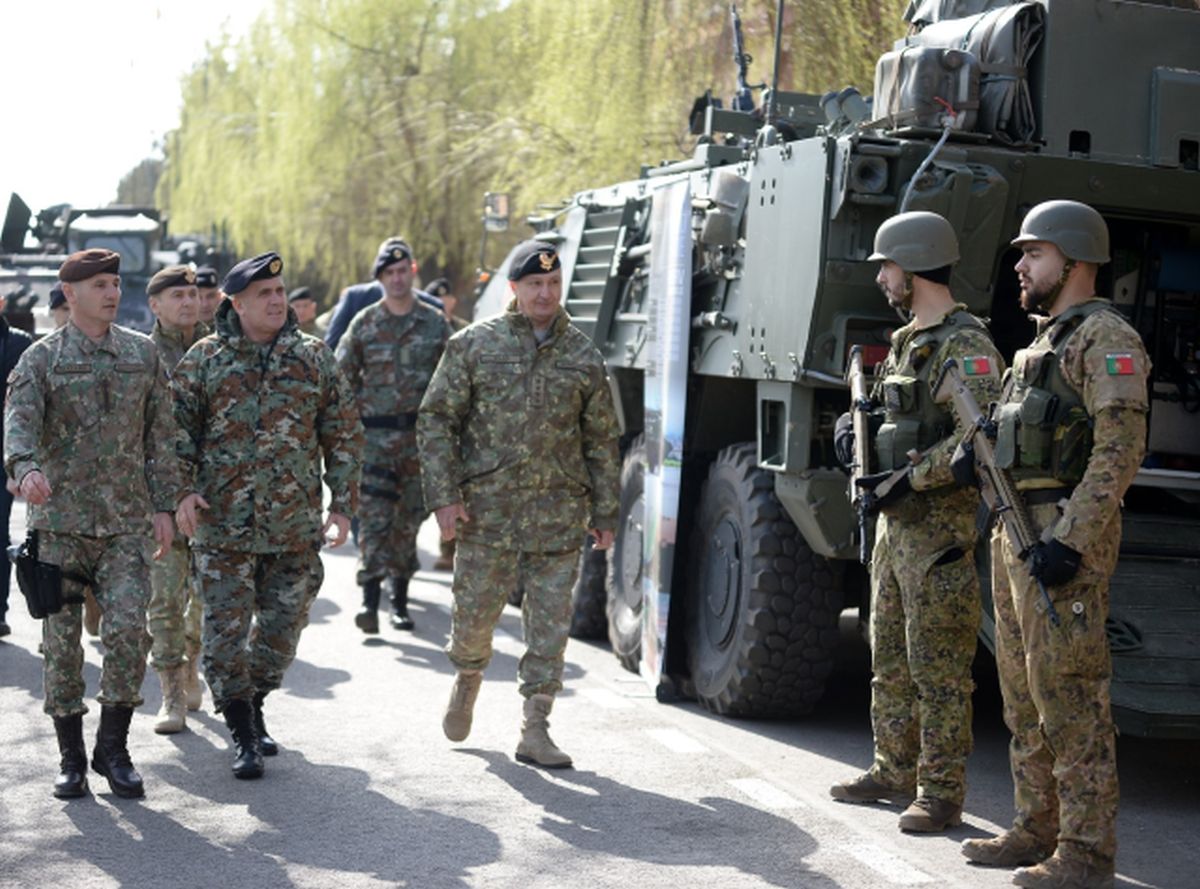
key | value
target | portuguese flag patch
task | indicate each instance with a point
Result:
(1120, 364)
(978, 366)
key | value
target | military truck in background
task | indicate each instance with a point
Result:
(750, 301)
(27, 272)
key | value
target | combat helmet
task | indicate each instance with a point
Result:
(1074, 228)
(917, 241)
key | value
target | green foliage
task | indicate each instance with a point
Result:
(335, 123)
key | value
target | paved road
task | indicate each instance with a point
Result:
(368, 793)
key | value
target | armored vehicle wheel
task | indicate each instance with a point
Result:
(762, 607)
(625, 562)
(588, 618)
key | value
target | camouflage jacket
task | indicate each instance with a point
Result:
(256, 422)
(389, 359)
(172, 345)
(1105, 361)
(95, 418)
(524, 435)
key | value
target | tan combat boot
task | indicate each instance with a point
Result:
(536, 747)
(866, 789)
(192, 686)
(928, 814)
(1063, 873)
(457, 721)
(172, 715)
(1012, 848)
(445, 561)
(91, 613)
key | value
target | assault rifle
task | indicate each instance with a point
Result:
(995, 484)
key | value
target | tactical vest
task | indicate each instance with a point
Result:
(911, 420)
(1044, 431)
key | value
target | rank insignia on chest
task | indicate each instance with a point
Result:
(977, 366)
(1119, 364)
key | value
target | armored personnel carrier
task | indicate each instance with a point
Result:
(727, 289)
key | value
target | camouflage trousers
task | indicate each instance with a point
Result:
(255, 607)
(391, 509)
(483, 577)
(120, 568)
(924, 618)
(173, 615)
(1055, 682)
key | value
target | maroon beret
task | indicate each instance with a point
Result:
(85, 263)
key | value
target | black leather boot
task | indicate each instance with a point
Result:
(400, 619)
(265, 742)
(247, 759)
(72, 770)
(110, 756)
(367, 618)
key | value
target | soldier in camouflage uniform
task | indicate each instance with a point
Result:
(173, 616)
(1071, 427)
(90, 440)
(388, 355)
(518, 439)
(209, 292)
(260, 404)
(924, 590)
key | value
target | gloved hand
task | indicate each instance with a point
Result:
(871, 482)
(1053, 563)
(843, 440)
(962, 465)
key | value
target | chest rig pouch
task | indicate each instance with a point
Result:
(1043, 429)
(911, 421)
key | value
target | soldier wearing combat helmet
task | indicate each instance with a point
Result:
(90, 440)
(924, 592)
(518, 439)
(1071, 428)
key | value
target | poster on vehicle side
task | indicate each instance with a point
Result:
(665, 397)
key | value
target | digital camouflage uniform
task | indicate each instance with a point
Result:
(95, 419)
(1055, 680)
(173, 615)
(525, 437)
(388, 361)
(257, 421)
(924, 590)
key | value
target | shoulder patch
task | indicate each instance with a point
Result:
(978, 366)
(1119, 364)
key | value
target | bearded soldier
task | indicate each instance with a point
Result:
(1071, 427)
(90, 440)
(924, 591)
(518, 438)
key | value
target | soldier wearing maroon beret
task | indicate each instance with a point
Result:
(89, 437)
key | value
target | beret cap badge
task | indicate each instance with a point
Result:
(546, 260)
(276, 265)
(190, 276)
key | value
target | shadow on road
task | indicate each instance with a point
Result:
(593, 813)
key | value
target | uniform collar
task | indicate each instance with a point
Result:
(520, 322)
(86, 344)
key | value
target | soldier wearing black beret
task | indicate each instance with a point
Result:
(304, 304)
(60, 312)
(210, 293)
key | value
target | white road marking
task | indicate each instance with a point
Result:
(766, 794)
(676, 741)
(890, 867)
(602, 697)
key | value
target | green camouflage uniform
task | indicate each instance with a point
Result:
(95, 419)
(1055, 680)
(924, 590)
(524, 435)
(173, 615)
(388, 360)
(257, 421)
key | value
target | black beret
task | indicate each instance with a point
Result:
(257, 268)
(206, 277)
(391, 251)
(439, 287)
(85, 263)
(171, 276)
(532, 258)
(57, 297)
(300, 293)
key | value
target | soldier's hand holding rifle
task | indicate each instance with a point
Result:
(997, 487)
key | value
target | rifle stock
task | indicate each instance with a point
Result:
(995, 483)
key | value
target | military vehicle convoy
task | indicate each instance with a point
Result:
(726, 291)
